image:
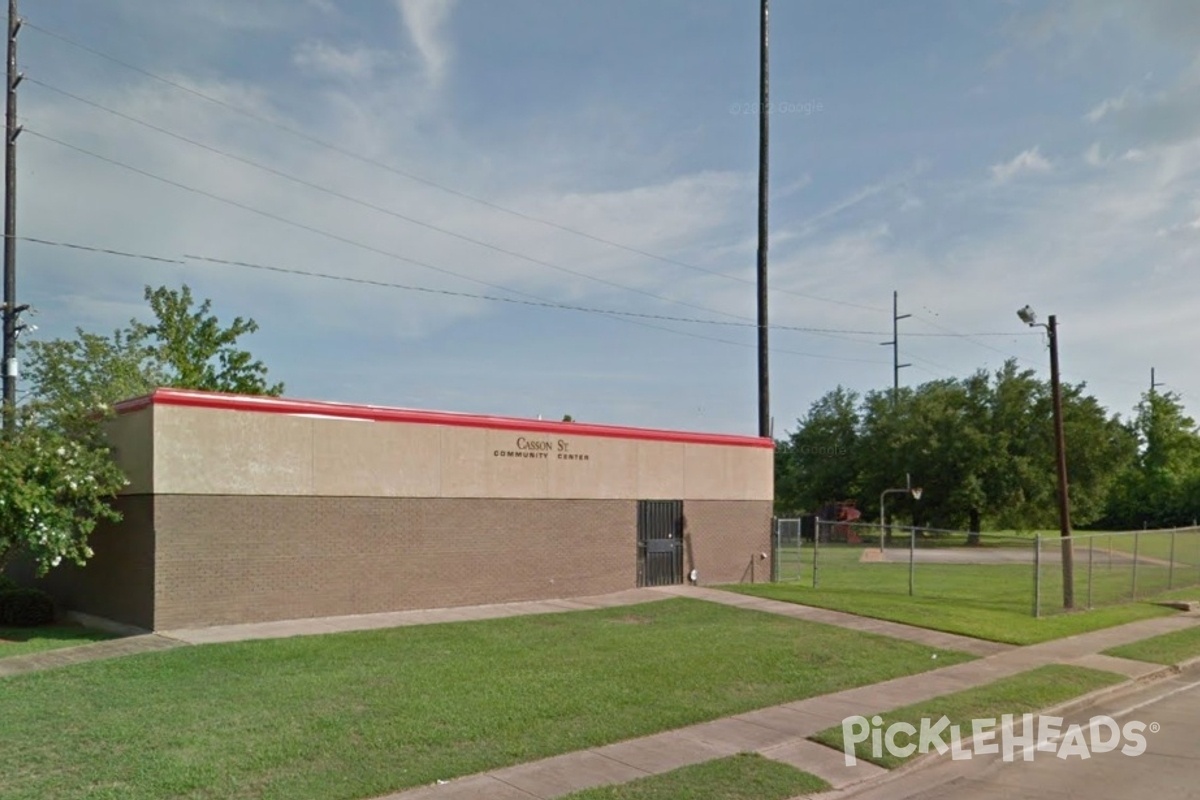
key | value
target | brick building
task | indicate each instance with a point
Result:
(246, 509)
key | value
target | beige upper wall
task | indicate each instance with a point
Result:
(216, 451)
(132, 436)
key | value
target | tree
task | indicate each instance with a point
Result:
(816, 464)
(981, 448)
(1159, 486)
(183, 349)
(75, 379)
(55, 487)
(57, 475)
(195, 352)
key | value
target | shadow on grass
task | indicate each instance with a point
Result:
(21, 641)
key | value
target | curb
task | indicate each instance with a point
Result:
(851, 790)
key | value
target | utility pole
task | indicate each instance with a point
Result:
(764, 94)
(895, 345)
(1060, 453)
(11, 310)
(1153, 383)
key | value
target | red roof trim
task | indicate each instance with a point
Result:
(278, 405)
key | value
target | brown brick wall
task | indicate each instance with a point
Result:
(228, 559)
(725, 540)
(118, 582)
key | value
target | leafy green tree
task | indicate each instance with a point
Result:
(815, 464)
(73, 380)
(186, 347)
(981, 448)
(55, 487)
(1159, 487)
(195, 351)
(57, 475)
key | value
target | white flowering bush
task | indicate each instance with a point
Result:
(55, 488)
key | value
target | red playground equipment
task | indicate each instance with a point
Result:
(843, 513)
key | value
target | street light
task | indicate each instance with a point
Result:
(1027, 316)
(915, 491)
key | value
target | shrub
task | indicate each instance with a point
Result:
(25, 608)
(7, 584)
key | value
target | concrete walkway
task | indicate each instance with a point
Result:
(778, 732)
(896, 630)
(400, 619)
(95, 651)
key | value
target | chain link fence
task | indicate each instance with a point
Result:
(1022, 573)
(1113, 568)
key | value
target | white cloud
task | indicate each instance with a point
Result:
(357, 62)
(1093, 157)
(1182, 228)
(892, 183)
(1030, 160)
(1108, 106)
(424, 21)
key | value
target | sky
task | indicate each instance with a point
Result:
(461, 170)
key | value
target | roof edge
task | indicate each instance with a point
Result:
(279, 405)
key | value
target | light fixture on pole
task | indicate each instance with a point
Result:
(1028, 316)
(915, 491)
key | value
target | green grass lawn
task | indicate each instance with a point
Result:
(746, 776)
(1170, 648)
(1031, 691)
(22, 641)
(951, 607)
(362, 714)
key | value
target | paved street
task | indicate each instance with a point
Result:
(1168, 770)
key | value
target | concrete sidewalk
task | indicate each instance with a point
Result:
(400, 619)
(95, 651)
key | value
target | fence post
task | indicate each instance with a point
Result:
(775, 548)
(1171, 567)
(1091, 551)
(912, 560)
(816, 550)
(1136, 536)
(1037, 575)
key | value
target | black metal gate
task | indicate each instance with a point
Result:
(660, 542)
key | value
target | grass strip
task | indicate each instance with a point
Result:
(953, 614)
(1030, 691)
(1169, 648)
(746, 776)
(23, 641)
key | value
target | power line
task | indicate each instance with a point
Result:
(418, 179)
(269, 215)
(515, 301)
(104, 250)
(634, 317)
(429, 290)
(366, 204)
(343, 239)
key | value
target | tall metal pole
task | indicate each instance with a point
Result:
(1060, 451)
(764, 94)
(895, 345)
(9, 364)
